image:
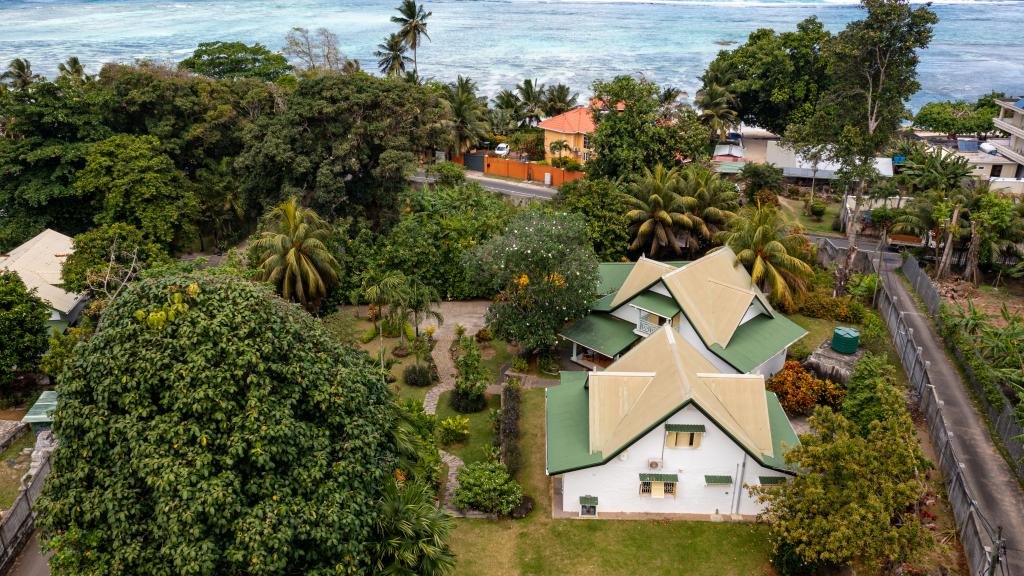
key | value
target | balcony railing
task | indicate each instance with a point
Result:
(1007, 126)
(645, 328)
(1008, 152)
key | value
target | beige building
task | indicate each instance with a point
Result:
(39, 262)
(1010, 121)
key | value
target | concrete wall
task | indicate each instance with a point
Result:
(617, 483)
(527, 171)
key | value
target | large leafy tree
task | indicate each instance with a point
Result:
(959, 117)
(412, 20)
(545, 274)
(774, 253)
(247, 440)
(853, 501)
(233, 60)
(293, 254)
(23, 325)
(136, 183)
(342, 142)
(776, 78)
(603, 207)
(636, 129)
(468, 114)
(104, 254)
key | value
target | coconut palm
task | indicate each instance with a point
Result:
(413, 21)
(716, 110)
(959, 198)
(72, 69)
(509, 101)
(500, 121)
(657, 211)
(391, 58)
(558, 99)
(531, 94)
(771, 251)
(559, 146)
(412, 534)
(292, 254)
(387, 290)
(468, 124)
(19, 74)
(715, 200)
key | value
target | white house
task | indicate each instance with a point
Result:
(711, 302)
(39, 262)
(678, 421)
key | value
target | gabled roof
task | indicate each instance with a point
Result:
(645, 273)
(38, 262)
(575, 121)
(715, 293)
(593, 416)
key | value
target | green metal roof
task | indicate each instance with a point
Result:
(658, 303)
(729, 167)
(603, 304)
(588, 500)
(40, 412)
(605, 334)
(771, 480)
(684, 427)
(712, 479)
(568, 430)
(659, 478)
(757, 340)
(784, 437)
(612, 274)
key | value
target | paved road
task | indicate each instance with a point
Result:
(509, 188)
(999, 495)
(30, 562)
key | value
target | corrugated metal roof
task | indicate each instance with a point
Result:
(657, 303)
(714, 479)
(40, 412)
(684, 427)
(603, 333)
(757, 340)
(38, 262)
(659, 478)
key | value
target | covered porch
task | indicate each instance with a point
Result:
(599, 339)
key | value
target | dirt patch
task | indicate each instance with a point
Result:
(988, 299)
(487, 352)
(15, 414)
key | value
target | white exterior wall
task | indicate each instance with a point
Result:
(627, 313)
(690, 334)
(660, 288)
(617, 483)
(772, 365)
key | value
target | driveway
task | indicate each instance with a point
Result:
(31, 561)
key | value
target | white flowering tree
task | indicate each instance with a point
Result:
(545, 275)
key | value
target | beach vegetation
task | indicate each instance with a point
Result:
(391, 56)
(412, 21)
(234, 60)
(958, 117)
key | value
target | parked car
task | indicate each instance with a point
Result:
(501, 149)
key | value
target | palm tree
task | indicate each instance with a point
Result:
(292, 254)
(384, 289)
(500, 121)
(509, 101)
(959, 197)
(937, 171)
(413, 21)
(391, 58)
(715, 103)
(558, 99)
(771, 251)
(72, 69)
(468, 114)
(559, 146)
(657, 210)
(19, 74)
(421, 303)
(531, 94)
(412, 534)
(715, 200)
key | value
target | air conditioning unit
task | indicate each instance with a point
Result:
(654, 464)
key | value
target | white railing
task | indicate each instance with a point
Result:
(645, 328)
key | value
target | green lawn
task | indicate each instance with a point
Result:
(495, 354)
(481, 435)
(539, 545)
(819, 330)
(793, 210)
(10, 475)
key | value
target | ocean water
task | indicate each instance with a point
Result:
(499, 42)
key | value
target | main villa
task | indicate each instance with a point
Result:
(672, 415)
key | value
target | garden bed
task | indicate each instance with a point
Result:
(481, 434)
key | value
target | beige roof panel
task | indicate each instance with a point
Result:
(656, 377)
(645, 273)
(714, 292)
(38, 262)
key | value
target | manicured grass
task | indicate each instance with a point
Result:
(481, 435)
(793, 210)
(495, 354)
(13, 465)
(539, 545)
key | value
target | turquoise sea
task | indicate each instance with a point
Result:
(498, 42)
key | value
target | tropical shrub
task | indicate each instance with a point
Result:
(799, 391)
(23, 319)
(229, 476)
(447, 173)
(453, 429)
(471, 380)
(818, 209)
(412, 532)
(369, 335)
(766, 197)
(507, 437)
(418, 375)
(862, 286)
(567, 163)
(484, 335)
(603, 207)
(520, 364)
(488, 487)
(862, 405)
(820, 304)
(798, 352)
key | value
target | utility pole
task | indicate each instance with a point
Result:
(997, 551)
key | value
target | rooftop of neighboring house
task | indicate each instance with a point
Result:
(732, 317)
(971, 149)
(796, 166)
(1017, 104)
(593, 416)
(576, 121)
(39, 262)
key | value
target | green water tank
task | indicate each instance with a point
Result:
(845, 340)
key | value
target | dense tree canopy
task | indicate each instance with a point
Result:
(603, 207)
(116, 244)
(959, 117)
(636, 128)
(545, 273)
(23, 325)
(247, 442)
(233, 60)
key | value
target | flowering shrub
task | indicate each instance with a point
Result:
(799, 392)
(488, 487)
(453, 429)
